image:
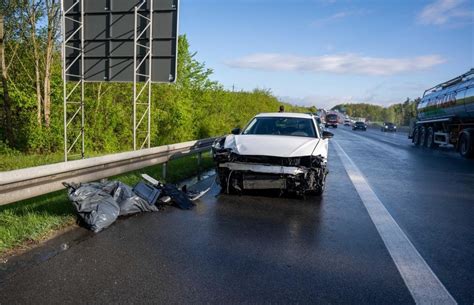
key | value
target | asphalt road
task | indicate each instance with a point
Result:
(265, 249)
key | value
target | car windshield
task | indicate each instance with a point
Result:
(389, 124)
(360, 123)
(298, 127)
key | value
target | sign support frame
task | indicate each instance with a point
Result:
(68, 94)
(137, 65)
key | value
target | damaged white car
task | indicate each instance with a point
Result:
(283, 151)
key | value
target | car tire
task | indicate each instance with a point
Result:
(320, 190)
(430, 138)
(466, 145)
(223, 185)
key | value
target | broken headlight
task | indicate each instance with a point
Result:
(218, 144)
(219, 153)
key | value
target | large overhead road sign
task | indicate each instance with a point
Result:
(109, 40)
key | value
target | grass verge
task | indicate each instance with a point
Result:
(18, 160)
(29, 221)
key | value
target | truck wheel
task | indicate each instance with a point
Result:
(423, 136)
(416, 136)
(430, 138)
(466, 145)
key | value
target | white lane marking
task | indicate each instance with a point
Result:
(423, 284)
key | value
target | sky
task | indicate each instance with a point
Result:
(326, 52)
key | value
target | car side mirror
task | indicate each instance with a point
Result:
(327, 135)
(236, 131)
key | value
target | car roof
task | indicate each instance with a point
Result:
(285, 115)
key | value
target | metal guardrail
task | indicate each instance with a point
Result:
(30, 182)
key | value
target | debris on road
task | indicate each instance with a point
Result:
(99, 204)
(178, 197)
(191, 194)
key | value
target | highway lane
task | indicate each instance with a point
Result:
(430, 193)
(236, 249)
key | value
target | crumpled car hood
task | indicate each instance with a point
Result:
(271, 145)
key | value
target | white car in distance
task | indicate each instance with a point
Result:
(283, 151)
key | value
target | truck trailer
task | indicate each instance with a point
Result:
(445, 116)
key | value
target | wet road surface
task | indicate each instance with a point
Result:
(264, 249)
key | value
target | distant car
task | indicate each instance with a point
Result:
(389, 127)
(359, 126)
(347, 122)
(282, 151)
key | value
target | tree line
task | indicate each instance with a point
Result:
(31, 96)
(400, 113)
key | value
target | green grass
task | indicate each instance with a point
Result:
(33, 220)
(19, 160)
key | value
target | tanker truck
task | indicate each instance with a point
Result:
(445, 116)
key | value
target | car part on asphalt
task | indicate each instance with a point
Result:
(192, 195)
(99, 204)
(147, 192)
(131, 202)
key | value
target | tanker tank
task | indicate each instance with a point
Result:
(445, 116)
(451, 99)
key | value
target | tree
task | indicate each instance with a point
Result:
(52, 21)
(4, 35)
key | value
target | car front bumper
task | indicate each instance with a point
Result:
(263, 168)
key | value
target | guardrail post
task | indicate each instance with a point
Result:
(199, 159)
(163, 174)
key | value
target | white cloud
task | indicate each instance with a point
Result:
(338, 16)
(384, 93)
(339, 63)
(441, 12)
